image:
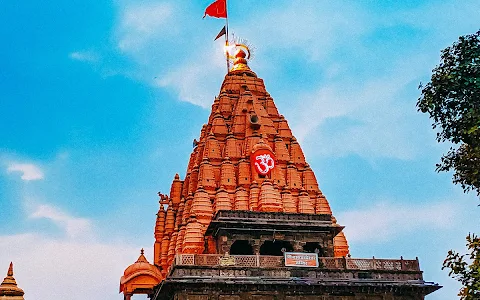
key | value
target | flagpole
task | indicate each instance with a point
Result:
(226, 36)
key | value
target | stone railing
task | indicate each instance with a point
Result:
(329, 263)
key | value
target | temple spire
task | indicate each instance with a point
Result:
(244, 161)
(9, 289)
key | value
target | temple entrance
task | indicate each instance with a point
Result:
(241, 247)
(313, 247)
(274, 248)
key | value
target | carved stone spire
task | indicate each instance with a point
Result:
(244, 124)
(341, 247)
(222, 200)
(9, 289)
(176, 190)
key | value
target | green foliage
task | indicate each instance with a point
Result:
(452, 99)
(466, 268)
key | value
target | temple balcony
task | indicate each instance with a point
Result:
(267, 275)
(326, 263)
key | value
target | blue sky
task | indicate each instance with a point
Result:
(100, 102)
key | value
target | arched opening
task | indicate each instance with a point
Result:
(241, 247)
(313, 247)
(275, 248)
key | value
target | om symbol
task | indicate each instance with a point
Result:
(264, 163)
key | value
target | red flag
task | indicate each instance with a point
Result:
(217, 9)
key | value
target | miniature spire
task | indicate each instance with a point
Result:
(142, 257)
(139, 277)
(202, 207)
(10, 270)
(241, 199)
(288, 202)
(269, 198)
(222, 200)
(340, 244)
(305, 205)
(176, 191)
(194, 236)
(9, 288)
(322, 206)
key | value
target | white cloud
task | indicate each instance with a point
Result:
(189, 67)
(47, 268)
(373, 103)
(386, 221)
(306, 29)
(74, 227)
(29, 171)
(191, 84)
(197, 78)
(438, 17)
(371, 115)
(85, 56)
(142, 33)
(141, 23)
(377, 114)
(51, 268)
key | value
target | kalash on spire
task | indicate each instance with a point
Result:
(248, 221)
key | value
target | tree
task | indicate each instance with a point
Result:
(452, 98)
(466, 268)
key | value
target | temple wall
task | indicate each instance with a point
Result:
(278, 295)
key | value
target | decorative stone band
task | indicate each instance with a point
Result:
(330, 263)
(273, 217)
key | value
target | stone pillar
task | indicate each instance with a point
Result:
(256, 246)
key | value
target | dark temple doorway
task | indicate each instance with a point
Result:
(241, 247)
(274, 248)
(313, 247)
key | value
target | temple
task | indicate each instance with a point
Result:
(9, 289)
(249, 221)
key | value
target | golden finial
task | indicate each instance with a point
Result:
(240, 58)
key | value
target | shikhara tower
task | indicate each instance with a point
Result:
(248, 207)
(9, 289)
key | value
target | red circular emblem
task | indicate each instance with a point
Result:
(263, 161)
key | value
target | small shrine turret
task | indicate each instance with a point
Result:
(140, 278)
(9, 289)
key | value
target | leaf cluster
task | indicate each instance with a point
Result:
(452, 99)
(466, 268)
